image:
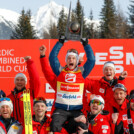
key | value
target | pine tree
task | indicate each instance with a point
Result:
(108, 20)
(131, 18)
(24, 29)
(122, 27)
(78, 11)
(45, 35)
(53, 31)
(90, 26)
(62, 21)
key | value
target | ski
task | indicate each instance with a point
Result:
(27, 112)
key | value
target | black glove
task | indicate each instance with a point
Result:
(84, 41)
(62, 39)
(82, 125)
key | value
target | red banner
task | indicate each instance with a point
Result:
(121, 51)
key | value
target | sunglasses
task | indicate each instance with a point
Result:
(5, 99)
(96, 102)
(39, 99)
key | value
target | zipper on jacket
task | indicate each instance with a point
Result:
(19, 107)
(15, 106)
(11, 123)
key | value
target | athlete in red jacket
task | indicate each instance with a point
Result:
(125, 119)
(119, 102)
(69, 86)
(97, 118)
(104, 86)
(41, 122)
(20, 84)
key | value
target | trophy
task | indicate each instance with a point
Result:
(73, 29)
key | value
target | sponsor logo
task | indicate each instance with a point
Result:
(95, 123)
(49, 89)
(130, 121)
(115, 54)
(101, 90)
(124, 117)
(101, 119)
(65, 96)
(104, 127)
(104, 131)
(70, 78)
(59, 95)
(35, 132)
(49, 104)
(21, 97)
(70, 88)
(15, 127)
(47, 128)
(69, 96)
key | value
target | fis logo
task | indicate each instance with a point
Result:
(70, 78)
(35, 132)
(49, 89)
(49, 104)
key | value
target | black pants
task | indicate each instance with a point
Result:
(60, 117)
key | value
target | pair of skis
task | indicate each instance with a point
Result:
(27, 112)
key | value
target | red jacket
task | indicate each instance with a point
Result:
(113, 106)
(52, 78)
(38, 128)
(2, 128)
(17, 98)
(42, 129)
(102, 87)
(123, 117)
(101, 125)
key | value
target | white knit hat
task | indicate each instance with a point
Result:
(20, 75)
(74, 54)
(98, 97)
(6, 101)
(109, 64)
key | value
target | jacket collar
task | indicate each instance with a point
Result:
(111, 82)
(16, 91)
(122, 107)
(42, 122)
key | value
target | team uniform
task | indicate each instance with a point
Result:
(69, 85)
(113, 107)
(17, 96)
(14, 126)
(65, 91)
(103, 87)
(41, 128)
(99, 124)
(86, 69)
(125, 122)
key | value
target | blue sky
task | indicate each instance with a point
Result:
(95, 5)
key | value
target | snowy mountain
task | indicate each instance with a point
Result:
(7, 21)
(46, 15)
